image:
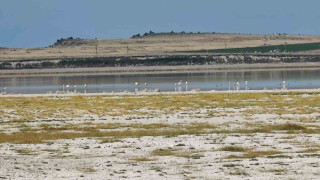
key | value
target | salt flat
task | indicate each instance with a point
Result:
(208, 135)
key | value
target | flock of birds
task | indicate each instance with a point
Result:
(178, 83)
(68, 87)
(236, 85)
(137, 84)
(178, 86)
(74, 86)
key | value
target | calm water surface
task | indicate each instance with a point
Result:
(215, 80)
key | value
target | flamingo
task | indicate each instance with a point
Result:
(85, 86)
(238, 86)
(284, 85)
(186, 85)
(75, 88)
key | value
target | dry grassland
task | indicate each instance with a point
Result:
(154, 45)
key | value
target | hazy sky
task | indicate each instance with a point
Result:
(39, 23)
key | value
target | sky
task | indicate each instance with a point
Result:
(39, 23)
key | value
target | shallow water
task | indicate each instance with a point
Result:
(214, 80)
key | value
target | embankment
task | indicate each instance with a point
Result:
(160, 63)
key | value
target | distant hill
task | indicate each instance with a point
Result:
(161, 44)
(71, 42)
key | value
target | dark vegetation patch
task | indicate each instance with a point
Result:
(233, 149)
(151, 34)
(266, 49)
(69, 42)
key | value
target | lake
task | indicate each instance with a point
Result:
(213, 80)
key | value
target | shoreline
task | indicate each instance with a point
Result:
(159, 69)
(142, 93)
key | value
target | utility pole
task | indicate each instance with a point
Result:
(265, 39)
(96, 44)
(127, 50)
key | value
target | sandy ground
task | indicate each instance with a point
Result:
(154, 45)
(88, 158)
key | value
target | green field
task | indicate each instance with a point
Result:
(265, 49)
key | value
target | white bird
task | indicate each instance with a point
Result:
(85, 85)
(186, 82)
(136, 83)
(146, 84)
(284, 85)
(180, 82)
(67, 85)
(238, 86)
(75, 86)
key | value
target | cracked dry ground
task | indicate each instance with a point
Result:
(184, 136)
